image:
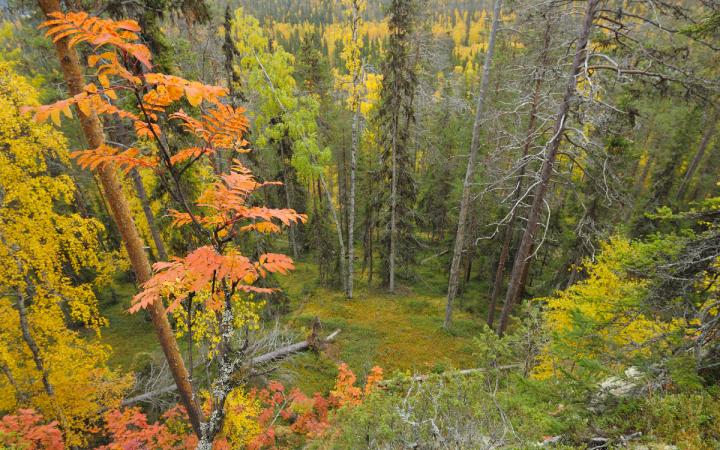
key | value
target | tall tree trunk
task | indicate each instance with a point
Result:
(93, 131)
(149, 216)
(36, 355)
(522, 258)
(288, 185)
(510, 229)
(707, 136)
(354, 145)
(338, 230)
(469, 172)
(351, 200)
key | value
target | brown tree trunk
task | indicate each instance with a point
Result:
(509, 231)
(707, 136)
(470, 171)
(523, 256)
(92, 129)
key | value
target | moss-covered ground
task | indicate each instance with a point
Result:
(398, 332)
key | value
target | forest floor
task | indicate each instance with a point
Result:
(399, 332)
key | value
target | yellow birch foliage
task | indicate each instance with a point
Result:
(49, 257)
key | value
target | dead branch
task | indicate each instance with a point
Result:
(275, 355)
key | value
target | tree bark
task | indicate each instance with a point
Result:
(351, 201)
(354, 145)
(523, 256)
(509, 231)
(149, 216)
(469, 172)
(338, 229)
(690, 172)
(93, 131)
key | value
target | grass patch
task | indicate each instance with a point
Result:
(127, 334)
(399, 332)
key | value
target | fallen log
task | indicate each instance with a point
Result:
(274, 355)
(451, 373)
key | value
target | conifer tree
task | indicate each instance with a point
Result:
(394, 119)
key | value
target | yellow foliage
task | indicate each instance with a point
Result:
(45, 256)
(241, 425)
(609, 301)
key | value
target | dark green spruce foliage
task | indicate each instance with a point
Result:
(395, 118)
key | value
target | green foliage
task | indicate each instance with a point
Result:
(395, 116)
(279, 112)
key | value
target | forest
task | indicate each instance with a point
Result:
(381, 224)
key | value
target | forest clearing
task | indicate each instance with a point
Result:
(382, 224)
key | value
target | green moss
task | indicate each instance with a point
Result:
(401, 332)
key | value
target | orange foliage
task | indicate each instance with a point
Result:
(25, 430)
(198, 270)
(130, 429)
(286, 419)
(127, 160)
(81, 27)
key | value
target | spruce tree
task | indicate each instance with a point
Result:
(394, 119)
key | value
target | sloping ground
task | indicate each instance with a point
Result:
(400, 332)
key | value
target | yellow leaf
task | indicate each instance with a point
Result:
(84, 106)
(193, 95)
(92, 60)
(67, 111)
(55, 116)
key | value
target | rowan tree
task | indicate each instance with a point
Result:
(215, 274)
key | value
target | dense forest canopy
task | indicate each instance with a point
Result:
(359, 224)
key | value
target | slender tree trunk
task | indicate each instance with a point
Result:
(509, 231)
(34, 349)
(338, 230)
(523, 256)
(470, 171)
(351, 200)
(354, 145)
(149, 216)
(92, 129)
(288, 189)
(690, 172)
(21, 397)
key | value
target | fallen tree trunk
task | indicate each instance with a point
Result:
(451, 373)
(280, 353)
